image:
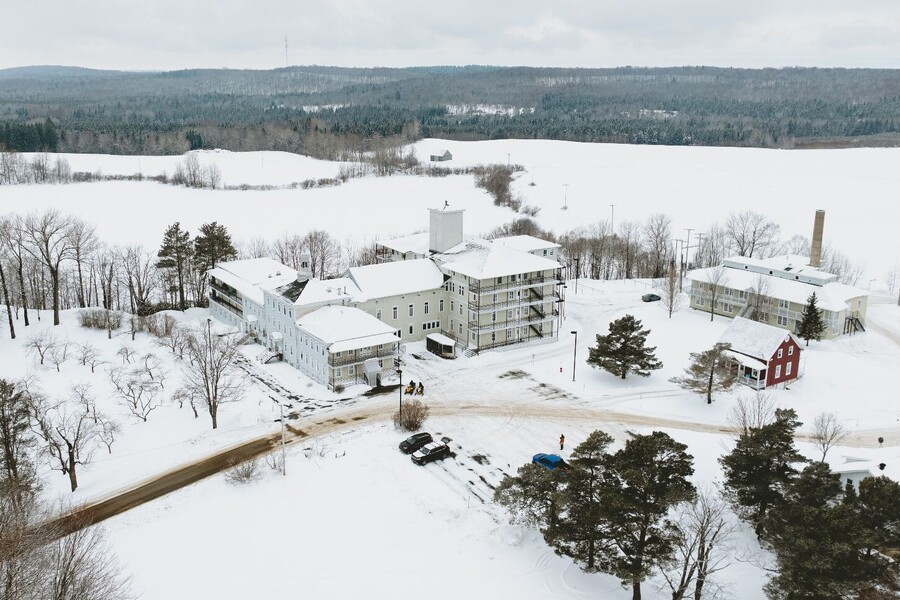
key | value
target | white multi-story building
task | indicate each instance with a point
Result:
(777, 289)
(480, 293)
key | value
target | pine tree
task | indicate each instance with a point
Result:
(176, 253)
(647, 478)
(811, 326)
(624, 350)
(532, 497)
(16, 471)
(212, 246)
(582, 530)
(759, 469)
(826, 543)
(707, 372)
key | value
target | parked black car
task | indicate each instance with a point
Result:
(431, 452)
(414, 442)
(651, 298)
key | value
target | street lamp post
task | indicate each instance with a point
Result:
(565, 196)
(612, 219)
(574, 354)
(400, 375)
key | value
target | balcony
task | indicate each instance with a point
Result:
(351, 357)
(530, 319)
(219, 302)
(484, 307)
(515, 285)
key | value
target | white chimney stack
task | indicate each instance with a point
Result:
(815, 248)
(445, 228)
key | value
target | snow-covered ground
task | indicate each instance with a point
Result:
(696, 186)
(354, 517)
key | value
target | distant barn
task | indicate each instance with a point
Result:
(441, 157)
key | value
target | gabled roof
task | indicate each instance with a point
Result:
(757, 340)
(525, 243)
(246, 276)
(395, 278)
(350, 327)
(496, 260)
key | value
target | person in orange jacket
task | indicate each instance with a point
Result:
(562, 442)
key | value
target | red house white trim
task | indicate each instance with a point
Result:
(762, 355)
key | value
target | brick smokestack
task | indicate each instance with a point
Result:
(815, 250)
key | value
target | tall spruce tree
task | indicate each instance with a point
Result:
(812, 325)
(708, 372)
(175, 254)
(212, 246)
(760, 468)
(624, 350)
(17, 475)
(646, 479)
(582, 529)
(826, 543)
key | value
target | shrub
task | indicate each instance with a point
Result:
(243, 472)
(99, 318)
(412, 416)
(339, 388)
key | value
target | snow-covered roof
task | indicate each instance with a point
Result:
(483, 261)
(320, 291)
(525, 243)
(417, 242)
(753, 363)
(868, 464)
(247, 276)
(333, 324)
(395, 278)
(441, 339)
(755, 339)
(364, 342)
(831, 296)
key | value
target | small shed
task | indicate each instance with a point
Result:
(440, 345)
(441, 156)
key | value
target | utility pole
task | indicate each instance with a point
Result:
(283, 453)
(612, 219)
(574, 354)
(285, 52)
(565, 196)
(687, 257)
(699, 243)
(577, 261)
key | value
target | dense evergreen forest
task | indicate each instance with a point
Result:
(330, 111)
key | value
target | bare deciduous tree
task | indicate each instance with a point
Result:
(136, 389)
(716, 279)
(657, 235)
(40, 344)
(50, 241)
(751, 233)
(126, 352)
(752, 412)
(211, 374)
(69, 432)
(670, 298)
(759, 299)
(827, 432)
(412, 416)
(701, 548)
(58, 354)
(139, 275)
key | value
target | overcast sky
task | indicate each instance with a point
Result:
(170, 34)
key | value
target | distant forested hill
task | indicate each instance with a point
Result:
(330, 111)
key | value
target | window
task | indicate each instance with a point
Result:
(462, 290)
(780, 353)
(378, 313)
(410, 330)
(394, 313)
(777, 371)
(783, 304)
(783, 321)
(351, 369)
(790, 350)
(441, 306)
(452, 306)
(728, 308)
(508, 313)
(452, 287)
(499, 280)
(787, 369)
(545, 252)
(493, 317)
(337, 372)
(460, 329)
(411, 310)
(426, 308)
(495, 298)
(460, 308)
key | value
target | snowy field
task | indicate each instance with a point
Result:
(354, 517)
(696, 186)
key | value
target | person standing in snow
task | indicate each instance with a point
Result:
(562, 442)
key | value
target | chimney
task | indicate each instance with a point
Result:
(815, 249)
(304, 273)
(445, 228)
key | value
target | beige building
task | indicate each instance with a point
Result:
(776, 291)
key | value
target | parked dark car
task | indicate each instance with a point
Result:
(650, 298)
(431, 452)
(550, 462)
(414, 442)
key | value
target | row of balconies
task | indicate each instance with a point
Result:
(530, 319)
(350, 357)
(520, 284)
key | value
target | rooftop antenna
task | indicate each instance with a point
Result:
(285, 52)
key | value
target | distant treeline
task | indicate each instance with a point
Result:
(330, 111)
(39, 137)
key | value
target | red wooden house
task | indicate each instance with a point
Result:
(762, 355)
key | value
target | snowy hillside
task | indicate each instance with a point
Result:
(696, 186)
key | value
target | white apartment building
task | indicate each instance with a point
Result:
(778, 289)
(480, 293)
